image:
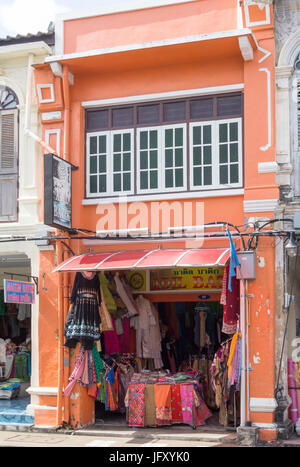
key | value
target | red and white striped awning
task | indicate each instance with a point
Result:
(145, 259)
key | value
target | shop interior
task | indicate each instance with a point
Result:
(15, 343)
(157, 361)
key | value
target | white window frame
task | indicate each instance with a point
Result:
(184, 187)
(215, 154)
(159, 188)
(109, 163)
(161, 159)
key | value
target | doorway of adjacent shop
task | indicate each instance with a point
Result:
(15, 344)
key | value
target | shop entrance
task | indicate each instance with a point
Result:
(156, 358)
(193, 349)
(15, 345)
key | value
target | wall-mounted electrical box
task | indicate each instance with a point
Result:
(247, 260)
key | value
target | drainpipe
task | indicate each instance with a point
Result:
(27, 130)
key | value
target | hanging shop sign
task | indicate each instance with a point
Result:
(57, 192)
(177, 279)
(19, 292)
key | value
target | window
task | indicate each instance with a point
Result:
(110, 163)
(173, 146)
(216, 154)
(8, 155)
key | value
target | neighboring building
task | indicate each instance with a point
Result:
(287, 75)
(20, 182)
(134, 97)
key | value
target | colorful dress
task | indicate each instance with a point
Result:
(83, 320)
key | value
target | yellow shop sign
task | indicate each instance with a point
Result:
(177, 279)
(186, 279)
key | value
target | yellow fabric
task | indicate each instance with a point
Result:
(231, 351)
(107, 296)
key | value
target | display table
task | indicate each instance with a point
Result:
(155, 400)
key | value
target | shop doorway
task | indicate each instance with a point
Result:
(15, 345)
(192, 346)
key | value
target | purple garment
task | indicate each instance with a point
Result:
(111, 340)
(124, 339)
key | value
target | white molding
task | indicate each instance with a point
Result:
(289, 51)
(53, 132)
(163, 95)
(167, 196)
(246, 48)
(148, 45)
(269, 123)
(36, 48)
(266, 426)
(260, 205)
(49, 116)
(251, 24)
(263, 404)
(42, 391)
(267, 167)
(45, 86)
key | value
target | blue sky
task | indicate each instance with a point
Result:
(31, 16)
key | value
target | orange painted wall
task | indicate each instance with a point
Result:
(148, 25)
(210, 70)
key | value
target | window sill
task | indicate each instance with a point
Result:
(165, 196)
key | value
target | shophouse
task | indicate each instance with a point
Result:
(163, 116)
(20, 215)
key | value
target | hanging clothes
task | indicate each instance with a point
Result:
(231, 311)
(125, 294)
(106, 294)
(83, 320)
(148, 337)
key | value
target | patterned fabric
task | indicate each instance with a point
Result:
(176, 404)
(150, 414)
(162, 393)
(136, 405)
(231, 310)
(187, 397)
(76, 374)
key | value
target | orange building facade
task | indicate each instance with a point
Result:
(167, 112)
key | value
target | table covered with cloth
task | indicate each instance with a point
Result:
(154, 400)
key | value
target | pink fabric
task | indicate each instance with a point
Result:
(187, 396)
(76, 374)
(293, 410)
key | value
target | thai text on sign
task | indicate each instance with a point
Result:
(19, 292)
(186, 279)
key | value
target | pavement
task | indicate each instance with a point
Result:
(109, 435)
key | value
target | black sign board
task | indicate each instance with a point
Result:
(57, 192)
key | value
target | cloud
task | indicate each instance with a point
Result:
(29, 16)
